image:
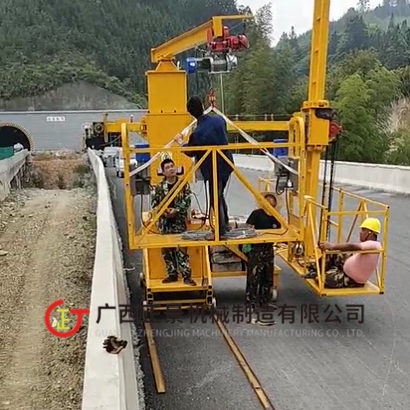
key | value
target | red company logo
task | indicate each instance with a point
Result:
(62, 330)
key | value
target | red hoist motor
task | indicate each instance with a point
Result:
(227, 42)
(334, 130)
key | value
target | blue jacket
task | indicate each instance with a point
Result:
(210, 130)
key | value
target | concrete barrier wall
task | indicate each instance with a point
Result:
(387, 178)
(9, 168)
(110, 381)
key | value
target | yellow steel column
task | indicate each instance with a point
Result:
(167, 114)
(317, 128)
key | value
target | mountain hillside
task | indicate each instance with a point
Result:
(46, 43)
(384, 30)
(375, 19)
(368, 82)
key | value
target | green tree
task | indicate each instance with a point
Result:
(363, 5)
(352, 101)
(104, 42)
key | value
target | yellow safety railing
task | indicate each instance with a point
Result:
(335, 222)
(315, 232)
(362, 212)
(138, 238)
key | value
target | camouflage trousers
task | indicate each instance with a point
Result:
(259, 282)
(176, 260)
(335, 276)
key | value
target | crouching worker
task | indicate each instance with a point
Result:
(350, 271)
(259, 283)
(173, 221)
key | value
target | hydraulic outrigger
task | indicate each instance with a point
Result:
(310, 132)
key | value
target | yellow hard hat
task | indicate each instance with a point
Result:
(372, 224)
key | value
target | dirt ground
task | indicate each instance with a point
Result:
(59, 170)
(46, 253)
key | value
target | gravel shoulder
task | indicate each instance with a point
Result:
(46, 253)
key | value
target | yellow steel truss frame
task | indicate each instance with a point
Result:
(140, 126)
(144, 239)
(308, 133)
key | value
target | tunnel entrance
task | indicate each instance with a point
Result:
(11, 135)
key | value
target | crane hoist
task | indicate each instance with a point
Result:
(310, 132)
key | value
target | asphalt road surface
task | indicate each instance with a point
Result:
(331, 363)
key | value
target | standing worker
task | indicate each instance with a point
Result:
(210, 130)
(173, 222)
(261, 262)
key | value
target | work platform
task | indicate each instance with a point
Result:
(170, 241)
(369, 288)
(203, 264)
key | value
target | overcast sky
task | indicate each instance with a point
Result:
(299, 13)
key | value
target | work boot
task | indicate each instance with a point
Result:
(189, 281)
(170, 279)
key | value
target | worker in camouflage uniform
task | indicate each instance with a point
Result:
(259, 282)
(173, 221)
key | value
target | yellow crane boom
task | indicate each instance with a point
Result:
(191, 39)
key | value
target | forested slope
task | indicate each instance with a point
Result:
(46, 43)
(368, 82)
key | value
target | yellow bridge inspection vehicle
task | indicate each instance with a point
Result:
(310, 133)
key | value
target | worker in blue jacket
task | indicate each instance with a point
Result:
(210, 130)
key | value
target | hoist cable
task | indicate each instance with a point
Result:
(331, 182)
(331, 151)
(244, 134)
(184, 133)
(324, 185)
(254, 142)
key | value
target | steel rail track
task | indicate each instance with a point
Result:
(233, 347)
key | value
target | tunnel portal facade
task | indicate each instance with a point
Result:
(53, 130)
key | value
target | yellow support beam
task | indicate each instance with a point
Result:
(314, 109)
(260, 126)
(247, 126)
(115, 127)
(319, 50)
